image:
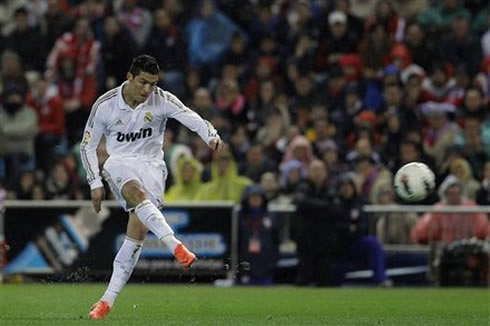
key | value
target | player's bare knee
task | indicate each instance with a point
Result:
(133, 193)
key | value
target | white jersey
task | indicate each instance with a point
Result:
(135, 132)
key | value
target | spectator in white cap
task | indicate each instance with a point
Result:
(355, 22)
(337, 17)
(339, 40)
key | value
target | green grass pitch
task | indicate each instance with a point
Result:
(152, 304)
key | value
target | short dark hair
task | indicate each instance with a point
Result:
(439, 66)
(20, 11)
(365, 158)
(408, 142)
(145, 63)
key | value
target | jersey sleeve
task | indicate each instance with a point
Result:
(175, 109)
(94, 129)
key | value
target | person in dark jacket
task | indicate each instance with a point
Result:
(118, 50)
(27, 42)
(167, 45)
(461, 47)
(483, 194)
(352, 231)
(256, 163)
(422, 49)
(314, 227)
(259, 238)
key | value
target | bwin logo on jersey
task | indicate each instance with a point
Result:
(132, 136)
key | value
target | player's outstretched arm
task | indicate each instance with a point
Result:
(175, 109)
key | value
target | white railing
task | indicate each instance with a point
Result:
(283, 208)
(425, 208)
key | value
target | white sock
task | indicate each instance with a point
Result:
(154, 220)
(171, 242)
(123, 266)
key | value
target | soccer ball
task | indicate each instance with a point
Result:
(414, 181)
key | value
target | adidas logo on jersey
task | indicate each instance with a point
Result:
(132, 136)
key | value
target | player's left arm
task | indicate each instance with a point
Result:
(175, 109)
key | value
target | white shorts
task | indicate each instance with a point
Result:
(151, 174)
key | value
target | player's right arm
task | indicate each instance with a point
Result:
(94, 129)
(177, 110)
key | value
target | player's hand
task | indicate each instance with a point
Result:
(97, 194)
(216, 144)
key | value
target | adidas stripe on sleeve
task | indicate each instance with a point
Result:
(175, 109)
(94, 130)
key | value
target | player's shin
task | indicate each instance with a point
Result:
(154, 220)
(124, 263)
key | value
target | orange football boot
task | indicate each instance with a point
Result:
(184, 256)
(99, 310)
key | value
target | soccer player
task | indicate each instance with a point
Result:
(132, 117)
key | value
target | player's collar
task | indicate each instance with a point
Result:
(120, 99)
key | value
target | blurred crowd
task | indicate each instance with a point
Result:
(308, 95)
(364, 86)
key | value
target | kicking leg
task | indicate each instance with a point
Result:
(153, 219)
(123, 266)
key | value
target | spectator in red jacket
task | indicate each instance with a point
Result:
(72, 64)
(51, 114)
(81, 43)
(448, 227)
(437, 84)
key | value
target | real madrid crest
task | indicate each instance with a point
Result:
(148, 117)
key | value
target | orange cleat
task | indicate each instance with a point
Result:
(99, 310)
(184, 256)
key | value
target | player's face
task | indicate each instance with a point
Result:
(142, 85)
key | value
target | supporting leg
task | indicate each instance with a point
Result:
(123, 266)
